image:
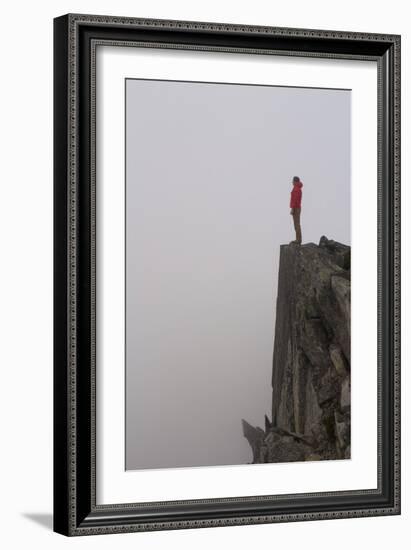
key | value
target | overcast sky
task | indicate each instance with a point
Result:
(208, 180)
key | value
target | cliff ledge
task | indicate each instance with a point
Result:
(311, 406)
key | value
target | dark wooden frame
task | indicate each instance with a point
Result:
(75, 40)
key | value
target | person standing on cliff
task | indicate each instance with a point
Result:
(295, 205)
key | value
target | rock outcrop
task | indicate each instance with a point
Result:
(311, 412)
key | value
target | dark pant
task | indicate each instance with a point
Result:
(297, 224)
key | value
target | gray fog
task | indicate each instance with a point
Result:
(208, 181)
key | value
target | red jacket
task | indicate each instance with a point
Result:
(296, 195)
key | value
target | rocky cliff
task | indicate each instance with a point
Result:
(311, 412)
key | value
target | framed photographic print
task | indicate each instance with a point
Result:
(227, 274)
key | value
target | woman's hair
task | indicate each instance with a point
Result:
(296, 178)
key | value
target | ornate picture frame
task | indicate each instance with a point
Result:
(76, 510)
